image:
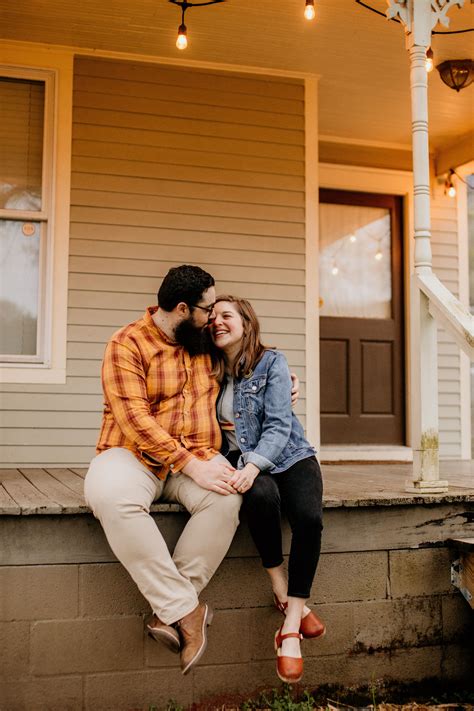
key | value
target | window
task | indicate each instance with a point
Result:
(24, 217)
(35, 172)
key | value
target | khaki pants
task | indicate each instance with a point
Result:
(120, 490)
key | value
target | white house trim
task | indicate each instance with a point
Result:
(61, 64)
(463, 246)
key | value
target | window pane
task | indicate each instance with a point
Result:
(19, 259)
(355, 261)
(21, 143)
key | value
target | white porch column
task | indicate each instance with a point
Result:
(419, 17)
(424, 355)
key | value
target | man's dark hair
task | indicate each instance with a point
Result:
(185, 283)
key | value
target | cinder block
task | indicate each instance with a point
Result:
(347, 577)
(458, 618)
(39, 592)
(339, 637)
(43, 694)
(107, 589)
(237, 583)
(458, 662)
(139, 691)
(70, 646)
(397, 623)
(368, 669)
(422, 571)
(400, 664)
(14, 649)
(220, 680)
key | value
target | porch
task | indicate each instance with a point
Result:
(73, 620)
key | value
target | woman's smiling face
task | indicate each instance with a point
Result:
(227, 328)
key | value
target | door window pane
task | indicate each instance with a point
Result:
(355, 261)
(21, 143)
(19, 287)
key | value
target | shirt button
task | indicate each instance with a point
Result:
(242, 439)
(237, 414)
(254, 387)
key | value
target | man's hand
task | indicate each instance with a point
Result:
(295, 389)
(214, 474)
(243, 479)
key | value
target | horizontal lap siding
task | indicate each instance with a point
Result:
(445, 263)
(170, 166)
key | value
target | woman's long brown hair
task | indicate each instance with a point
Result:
(251, 348)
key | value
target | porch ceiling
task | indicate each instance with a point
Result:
(361, 58)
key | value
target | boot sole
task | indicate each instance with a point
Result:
(207, 620)
(165, 638)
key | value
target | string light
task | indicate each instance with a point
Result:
(449, 187)
(429, 63)
(335, 270)
(352, 239)
(379, 255)
(182, 41)
(309, 11)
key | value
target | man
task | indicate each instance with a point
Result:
(160, 439)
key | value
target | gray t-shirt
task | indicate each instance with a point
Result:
(225, 413)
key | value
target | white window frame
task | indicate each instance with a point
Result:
(42, 216)
(55, 70)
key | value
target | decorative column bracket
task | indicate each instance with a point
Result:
(439, 12)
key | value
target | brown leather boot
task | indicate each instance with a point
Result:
(166, 634)
(193, 630)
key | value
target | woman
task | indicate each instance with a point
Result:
(276, 469)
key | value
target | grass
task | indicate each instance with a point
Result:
(375, 696)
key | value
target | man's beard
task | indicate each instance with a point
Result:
(194, 340)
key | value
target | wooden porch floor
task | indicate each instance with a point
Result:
(60, 491)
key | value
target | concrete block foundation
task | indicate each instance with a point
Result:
(72, 621)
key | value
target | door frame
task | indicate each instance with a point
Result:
(371, 180)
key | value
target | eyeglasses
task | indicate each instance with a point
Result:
(207, 309)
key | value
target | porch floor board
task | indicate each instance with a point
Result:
(51, 490)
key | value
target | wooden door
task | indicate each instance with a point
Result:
(361, 319)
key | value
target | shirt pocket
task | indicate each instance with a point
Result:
(253, 394)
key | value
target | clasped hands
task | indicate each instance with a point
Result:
(219, 476)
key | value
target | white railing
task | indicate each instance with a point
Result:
(448, 311)
(433, 305)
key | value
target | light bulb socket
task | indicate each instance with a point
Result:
(182, 30)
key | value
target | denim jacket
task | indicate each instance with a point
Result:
(268, 432)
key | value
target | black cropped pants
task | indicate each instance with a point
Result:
(297, 492)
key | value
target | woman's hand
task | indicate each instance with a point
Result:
(295, 389)
(243, 479)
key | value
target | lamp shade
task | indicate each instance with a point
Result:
(457, 73)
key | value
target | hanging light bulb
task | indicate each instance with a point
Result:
(379, 255)
(309, 11)
(182, 41)
(429, 64)
(335, 270)
(449, 187)
(352, 239)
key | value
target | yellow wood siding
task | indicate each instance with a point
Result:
(444, 229)
(169, 166)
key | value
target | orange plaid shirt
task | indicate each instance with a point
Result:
(160, 403)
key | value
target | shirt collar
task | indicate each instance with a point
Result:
(151, 325)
